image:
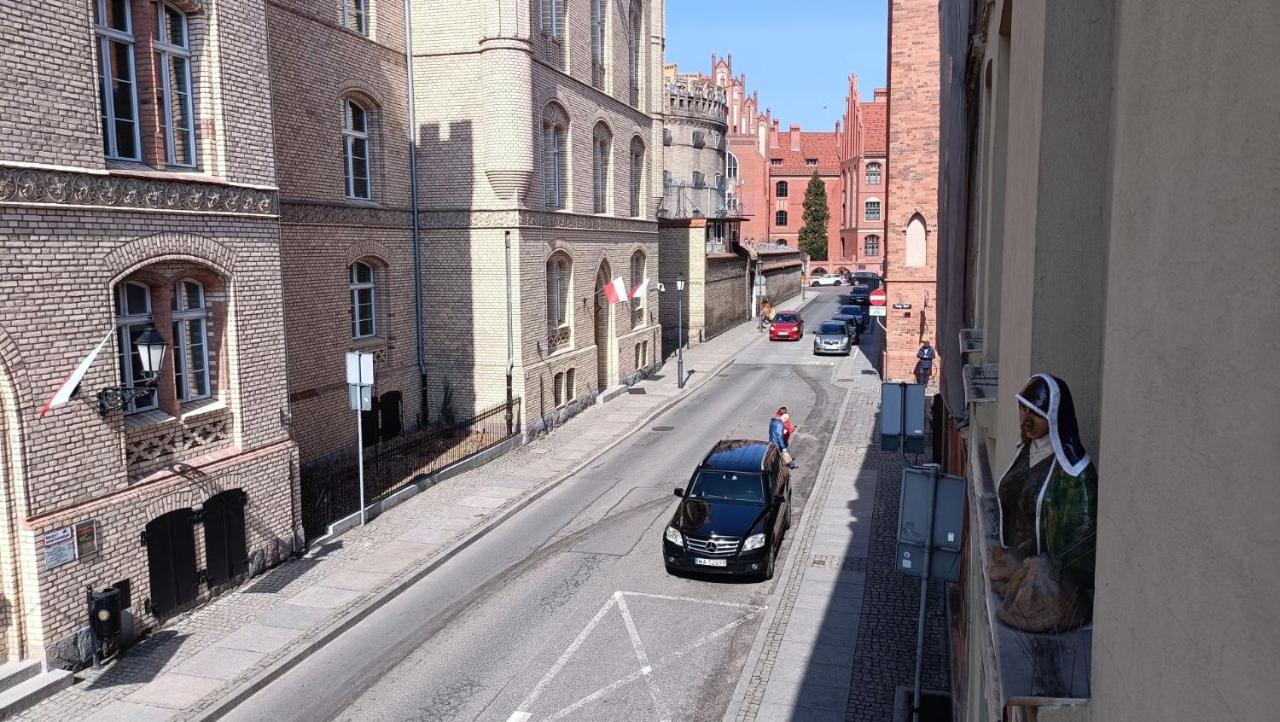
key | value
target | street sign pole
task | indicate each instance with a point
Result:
(360, 462)
(924, 591)
(360, 396)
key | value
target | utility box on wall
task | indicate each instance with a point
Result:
(902, 417)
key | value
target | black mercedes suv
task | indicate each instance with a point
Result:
(733, 513)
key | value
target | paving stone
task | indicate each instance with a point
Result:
(428, 534)
(174, 691)
(295, 616)
(130, 712)
(259, 638)
(483, 502)
(219, 663)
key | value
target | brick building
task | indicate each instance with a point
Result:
(911, 198)
(865, 167)
(340, 101)
(152, 208)
(540, 162)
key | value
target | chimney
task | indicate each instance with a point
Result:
(882, 95)
(795, 138)
(773, 134)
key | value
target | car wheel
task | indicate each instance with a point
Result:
(768, 567)
(786, 520)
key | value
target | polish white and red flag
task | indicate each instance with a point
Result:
(615, 291)
(640, 290)
(69, 385)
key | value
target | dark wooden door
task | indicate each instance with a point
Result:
(171, 562)
(226, 553)
(389, 415)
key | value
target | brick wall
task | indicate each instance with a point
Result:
(914, 57)
(727, 289)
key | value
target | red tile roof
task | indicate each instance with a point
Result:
(823, 147)
(875, 129)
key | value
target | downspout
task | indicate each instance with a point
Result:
(424, 406)
(511, 353)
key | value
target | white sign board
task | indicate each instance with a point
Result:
(360, 380)
(59, 548)
(877, 311)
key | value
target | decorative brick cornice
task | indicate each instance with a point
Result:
(536, 219)
(331, 214)
(42, 187)
(142, 251)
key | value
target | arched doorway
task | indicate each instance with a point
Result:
(605, 331)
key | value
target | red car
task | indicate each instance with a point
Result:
(787, 326)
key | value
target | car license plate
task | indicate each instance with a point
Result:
(709, 562)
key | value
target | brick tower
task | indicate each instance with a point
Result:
(911, 208)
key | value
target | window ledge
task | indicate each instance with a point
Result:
(192, 409)
(368, 342)
(361, 202)
(143, 419)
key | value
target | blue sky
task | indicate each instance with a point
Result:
(797, 53)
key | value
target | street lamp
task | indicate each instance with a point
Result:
(150, 346)
(680, 331)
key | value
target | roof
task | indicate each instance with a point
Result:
(823, 147)
(737, 455)
(875, 129)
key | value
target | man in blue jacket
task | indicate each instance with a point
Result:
(777, 435)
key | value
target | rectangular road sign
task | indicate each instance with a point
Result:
(877, 311)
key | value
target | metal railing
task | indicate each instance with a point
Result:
(690, 200)
(330, 488)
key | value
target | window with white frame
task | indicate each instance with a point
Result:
(559, 284)
(873, 174)
(597, 43)
(190, 318)
(355, 15)
(637, 177)
(355, 140)
(602, 150)
(731, 166)
(117, 79)
(173, 61)
(133, 316)
(780, 218)
(871, 246)
(555, 130)
(553, 29)
(871, 210)
(639, 272)
(364, 305)
(781, 189)
(635, 40)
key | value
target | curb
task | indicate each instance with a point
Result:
(807, 519)
(234, 698)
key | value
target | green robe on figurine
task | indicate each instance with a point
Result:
(1048, 503)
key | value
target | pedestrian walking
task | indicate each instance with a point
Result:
(778, 435)
(766, 314)
(924, 366)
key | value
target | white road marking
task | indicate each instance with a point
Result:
(641, 655)
(646, 666)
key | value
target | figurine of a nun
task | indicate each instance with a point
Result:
(1048, 502)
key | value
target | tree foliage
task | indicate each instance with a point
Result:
(813, 234)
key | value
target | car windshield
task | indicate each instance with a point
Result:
(786, 318)
(831, 327)
(727, 486)
(861, 289)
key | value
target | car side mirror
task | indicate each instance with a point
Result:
(680, 492)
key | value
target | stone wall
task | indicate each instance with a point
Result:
(727, 294)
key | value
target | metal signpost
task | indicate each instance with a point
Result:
(360, 394)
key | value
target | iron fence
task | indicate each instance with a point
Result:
(331, 488)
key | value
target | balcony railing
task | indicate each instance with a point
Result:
(690, 200)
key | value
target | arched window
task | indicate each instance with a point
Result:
(190, 341)
(780, 219)
(731, 166)
(635, 44)
(601, 151)
(355, 136)
(637, 177)
(639, 273)
(559, 303)
(871, 211)
(781, 189)
(871, 246)
(916, 254)
(113, 26)
(133, 317)
(873, 174)
(555, 132)
(363, 284)
(173, 56)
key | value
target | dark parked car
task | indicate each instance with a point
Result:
(833, 337)
(860, 294)
(733, 513)
(868, 279)
(786, 326)
(855, 316)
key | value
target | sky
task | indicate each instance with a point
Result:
(797, 53)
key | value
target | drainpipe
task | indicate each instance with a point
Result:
(413, 211)
(511, 353)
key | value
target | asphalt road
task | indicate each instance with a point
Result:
(565, 611)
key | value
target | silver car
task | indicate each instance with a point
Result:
(832, 337)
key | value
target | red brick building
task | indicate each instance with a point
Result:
(911, 203)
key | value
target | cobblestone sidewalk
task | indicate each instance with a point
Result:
(190, 665)
(841, 635)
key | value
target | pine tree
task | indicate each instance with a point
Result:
(813, 234)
